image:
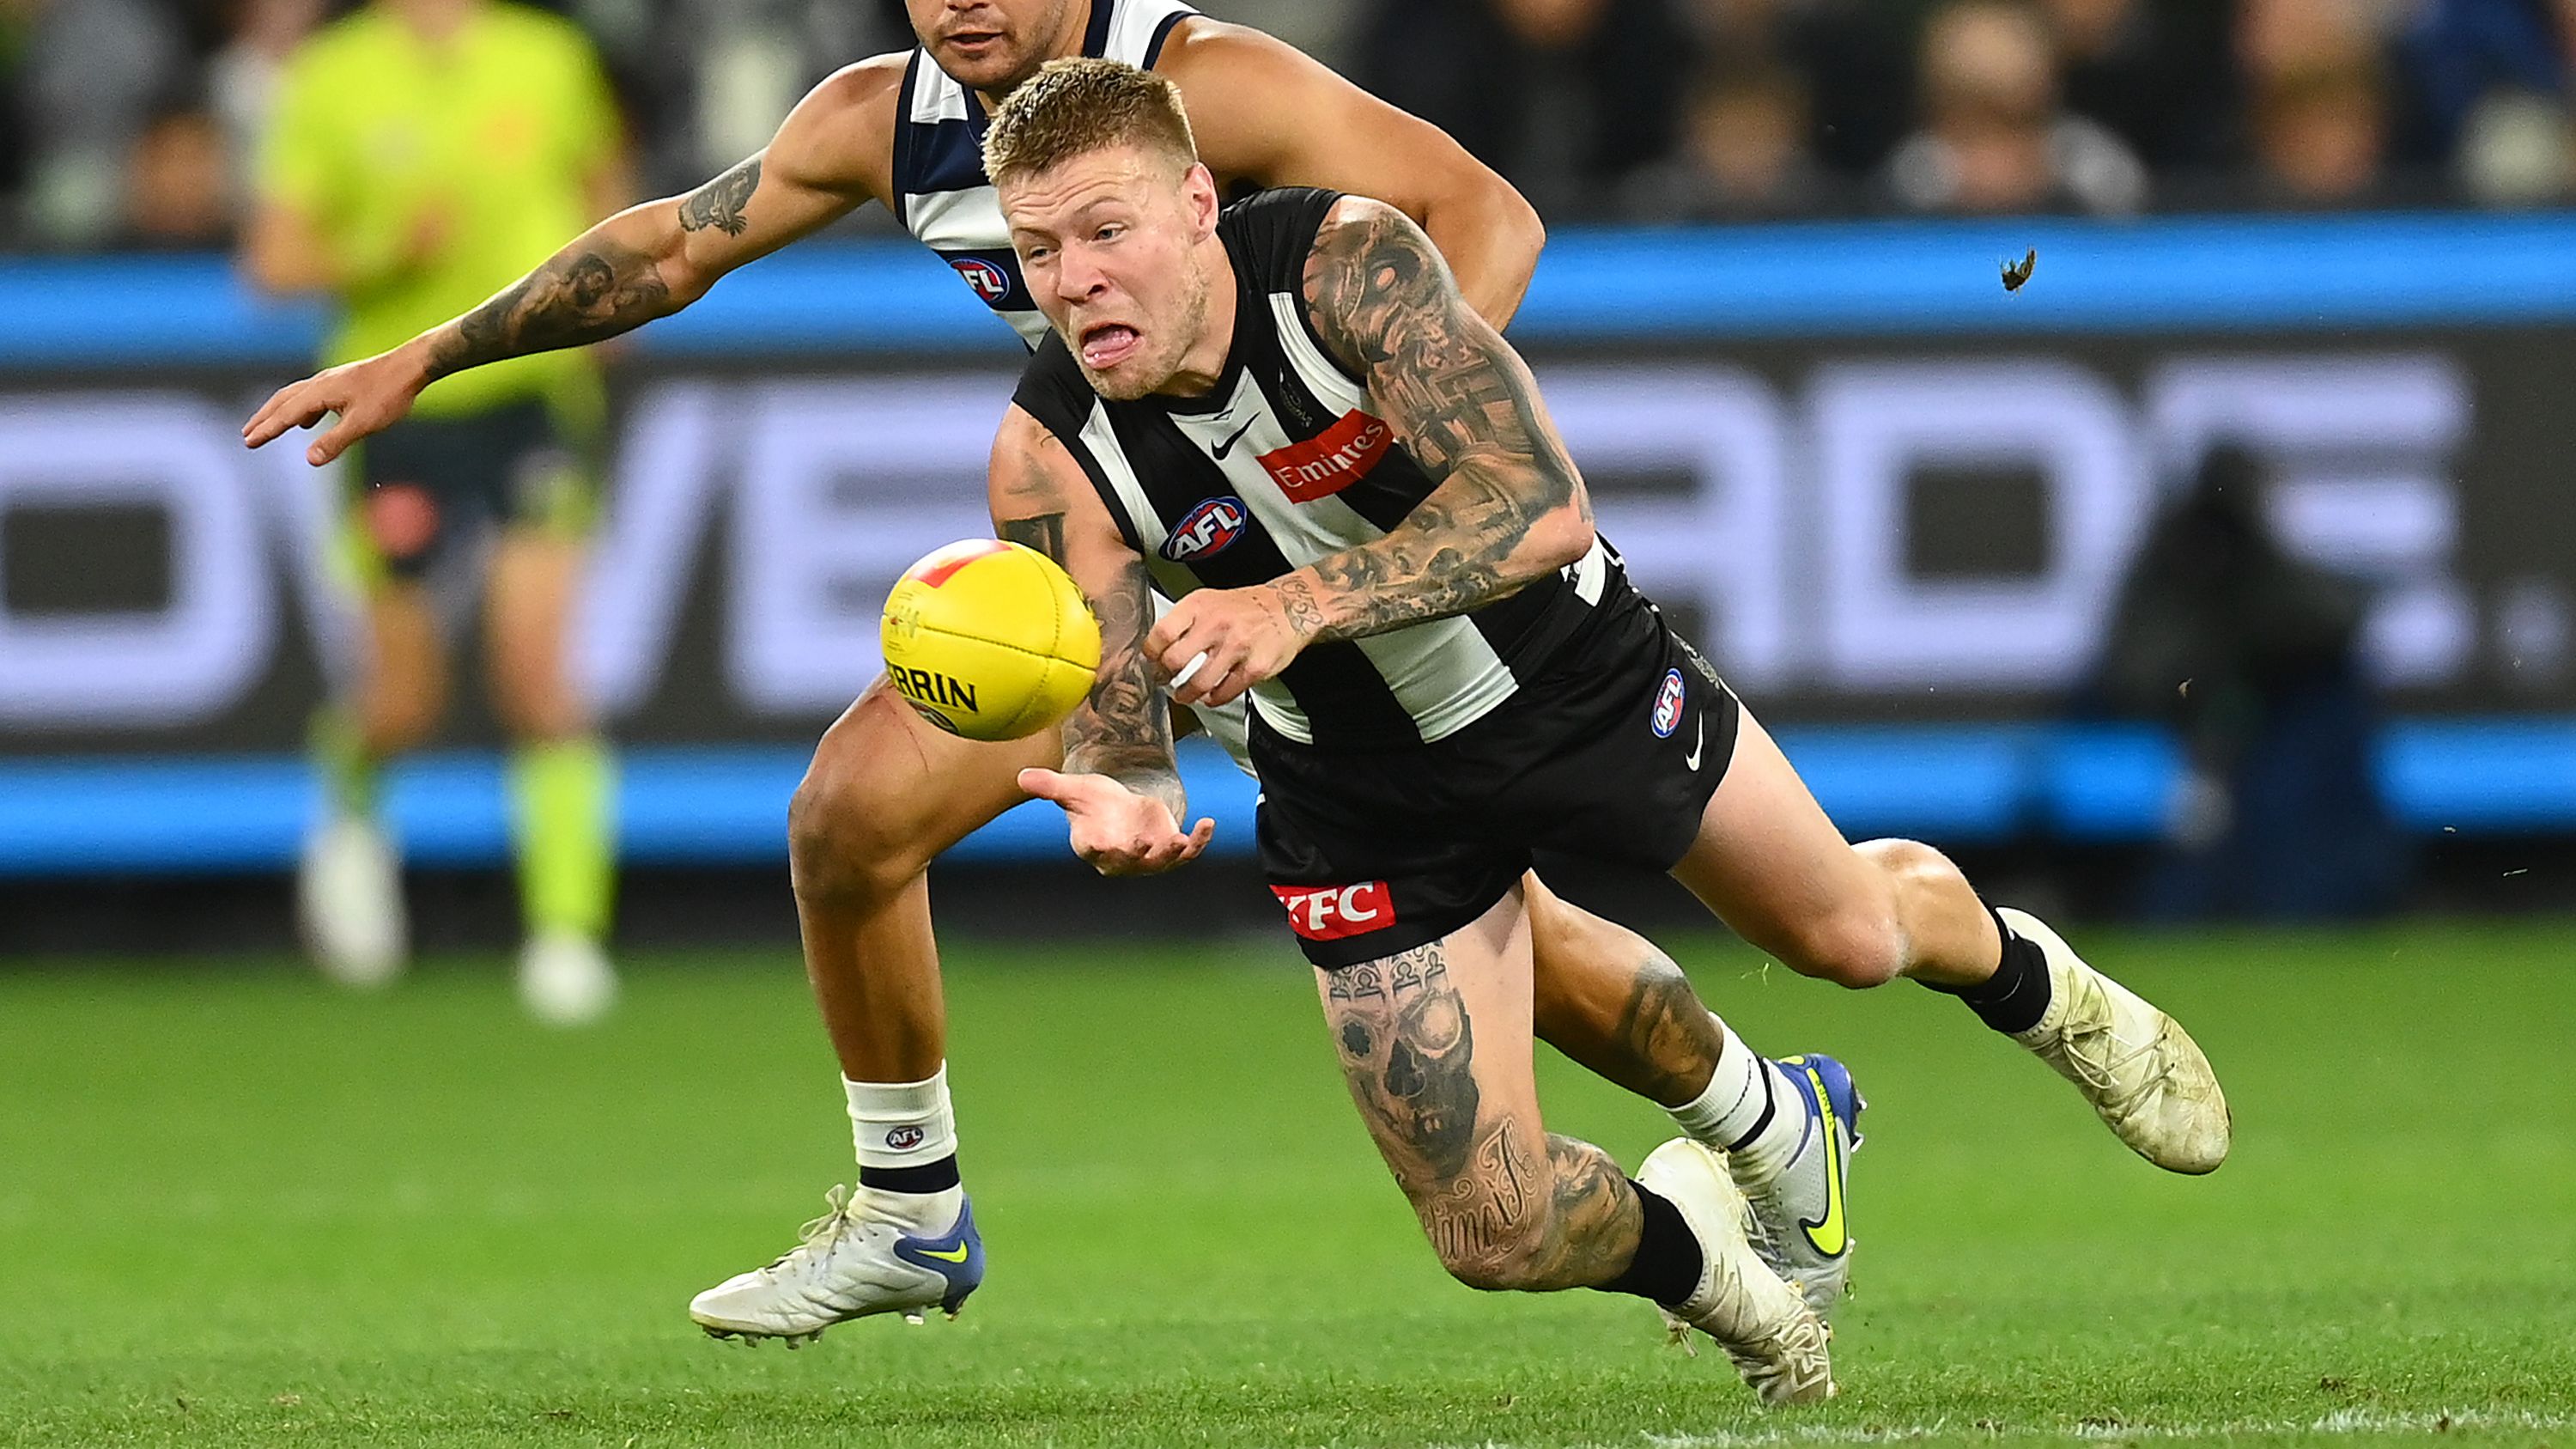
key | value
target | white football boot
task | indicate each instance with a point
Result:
(565, 979)
(860, 1259)
(1775, 1339)
(1800, 1225)
(2145, 1077)
(349, 901)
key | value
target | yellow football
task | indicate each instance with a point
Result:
(990, 640)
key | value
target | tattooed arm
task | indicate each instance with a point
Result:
(1508, 509)
(1119, 786)
(832, 154)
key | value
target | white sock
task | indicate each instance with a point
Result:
(1749, 1110)
(907, 1125)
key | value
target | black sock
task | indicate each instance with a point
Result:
(2016, 996)
(928, 1177)
(1667, 1266)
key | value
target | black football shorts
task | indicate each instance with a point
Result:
(1610, 756)
(425, 486)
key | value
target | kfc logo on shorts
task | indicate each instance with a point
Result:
(904, 1139)
(1330, 461)
(989, 281)
(1329, 913)
(1668, 705)
(1212, 527)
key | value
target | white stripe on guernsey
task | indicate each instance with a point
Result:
(1322, 376)
(1131, 28)
(968, 220)
(1098, 436)
(1443, 673)
(935, 96)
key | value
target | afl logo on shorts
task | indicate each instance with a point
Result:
(989, 281)
(904, 1139)
(1668, 705)
(1212, 527)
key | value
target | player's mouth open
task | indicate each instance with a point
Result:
(973, 39)
(1107, 344)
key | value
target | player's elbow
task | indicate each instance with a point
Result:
(1562, 536)
(1516, 227)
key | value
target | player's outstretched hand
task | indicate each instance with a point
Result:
(1246, 635)
(1119, 831)
(369, 396)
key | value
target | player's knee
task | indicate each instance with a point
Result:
(538, 710)
(845, 844)
(1857, 946)
(396, 719)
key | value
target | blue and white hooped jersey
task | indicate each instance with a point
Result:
(941, 193)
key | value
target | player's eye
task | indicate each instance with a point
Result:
(1109, 232)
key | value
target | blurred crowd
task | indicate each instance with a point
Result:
(128, 123)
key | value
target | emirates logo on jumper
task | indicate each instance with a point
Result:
(1330, 461)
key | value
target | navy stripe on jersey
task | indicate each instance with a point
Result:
(947, 156)
(1162, 32)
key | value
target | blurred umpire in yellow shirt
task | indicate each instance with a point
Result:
(422, 155)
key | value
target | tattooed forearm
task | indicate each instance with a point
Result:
(1124, 730)
(1465, 407)
(1044, 532)
(589, 292)
(720, 203)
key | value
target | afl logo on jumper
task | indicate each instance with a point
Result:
(1668, 705)
(1212, 527)
(989, 281)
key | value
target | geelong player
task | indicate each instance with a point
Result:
(887, 792)
(1447, 670)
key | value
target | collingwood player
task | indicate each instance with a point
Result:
(1285, 415)
(887, 792)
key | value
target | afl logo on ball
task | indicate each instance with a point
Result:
(904, 1138)
(989, 281)
(1668, 705)
(1212, 527)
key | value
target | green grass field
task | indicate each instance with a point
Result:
(236, 1208)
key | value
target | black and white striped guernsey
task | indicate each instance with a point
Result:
(1282, 464)
(941, 194)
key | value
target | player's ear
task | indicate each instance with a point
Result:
(1198, 194)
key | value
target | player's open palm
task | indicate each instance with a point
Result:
(1118, 830)
(367, 396)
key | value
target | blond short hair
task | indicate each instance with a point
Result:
(1075, 107)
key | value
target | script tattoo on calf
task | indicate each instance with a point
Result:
(720, 202)
(1494, 1215)
(1461, 403)
(588, 292)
